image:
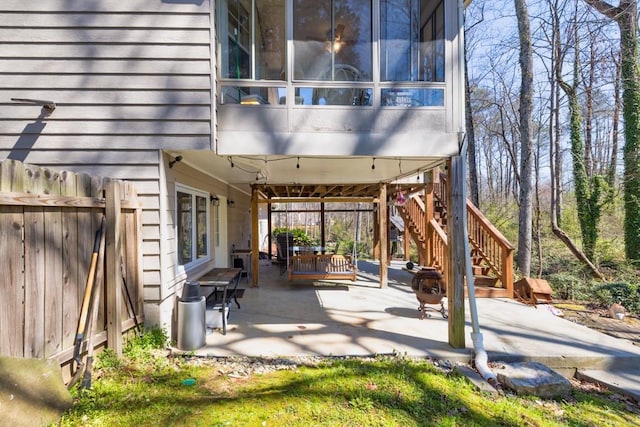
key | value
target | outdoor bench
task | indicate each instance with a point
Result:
(321, 266)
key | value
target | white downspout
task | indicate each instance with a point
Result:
(480, 359)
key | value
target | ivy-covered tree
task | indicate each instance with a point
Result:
(625, 15)
(588, 188)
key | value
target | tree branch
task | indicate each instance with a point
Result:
(606, 9)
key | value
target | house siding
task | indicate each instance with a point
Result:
(129, 79)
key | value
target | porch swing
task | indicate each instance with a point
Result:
(322, 266)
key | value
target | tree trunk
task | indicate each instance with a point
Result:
(587, 189)
(625, 16)
(614, 137)
(471, 137)
(555, 162)
(526, 144)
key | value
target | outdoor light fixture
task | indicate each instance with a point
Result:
(215, 200)
(231, 203)
(174, 161)
(373, 164)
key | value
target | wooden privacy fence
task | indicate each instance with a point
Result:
(48, 222)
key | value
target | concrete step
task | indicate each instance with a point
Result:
(625, 382)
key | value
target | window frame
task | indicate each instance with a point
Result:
(290, 86)
(194, 193)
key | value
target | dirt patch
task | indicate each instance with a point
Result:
(599, 319)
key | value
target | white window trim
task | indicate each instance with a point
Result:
(198, 261)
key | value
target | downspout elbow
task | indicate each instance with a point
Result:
(481, 359)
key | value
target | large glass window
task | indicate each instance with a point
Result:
(192, 213)
(252, 38)
(331, 61)
(412, 40)
(332, 40)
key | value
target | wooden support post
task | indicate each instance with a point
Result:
(323, 238)
(455, 283)
(376, 231)
(255, 239)
(388, 240)
(112, 277)
(384, 236)
(269, 231)
(429, 178)
(407, 243)
(507, 271)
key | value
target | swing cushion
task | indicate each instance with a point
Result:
(321, 266)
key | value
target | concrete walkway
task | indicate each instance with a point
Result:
(340, 318)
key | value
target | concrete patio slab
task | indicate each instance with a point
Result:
(342, 318)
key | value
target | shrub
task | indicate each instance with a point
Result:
(569, 287)
(622, 293)
(300, 237)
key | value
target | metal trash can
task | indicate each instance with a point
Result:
(191, 318)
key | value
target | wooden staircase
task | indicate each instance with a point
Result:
(425, 217)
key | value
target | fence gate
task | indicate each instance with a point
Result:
(48, 222)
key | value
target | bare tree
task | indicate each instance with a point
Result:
(526, 142)
(470, 130)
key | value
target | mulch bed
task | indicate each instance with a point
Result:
(600, 320)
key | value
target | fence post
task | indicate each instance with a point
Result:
(112, 276)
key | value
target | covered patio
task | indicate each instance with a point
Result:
(343, 318)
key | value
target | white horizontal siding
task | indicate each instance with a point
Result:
(107, 6)
(129, 78)
(72, 158)
(94, 142)
(40, 19)
(158, 98)
(102, 51)
(150, 232)
(112, 35)
(106, 82)
(109, 112)
(151, 262)
(111, 127)
(104, 66)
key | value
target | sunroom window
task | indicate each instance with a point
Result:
(332, 40)
(412, 40)
(192, 223)
(322, 52)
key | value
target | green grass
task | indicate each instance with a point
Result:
(148, 389)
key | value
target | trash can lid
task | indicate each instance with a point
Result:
(190, 291)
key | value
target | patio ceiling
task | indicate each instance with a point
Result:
(337, 192)
(313, 177)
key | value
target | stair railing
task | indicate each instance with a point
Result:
(414, 211)
(495, 250)
(485, 239)
(437, 255)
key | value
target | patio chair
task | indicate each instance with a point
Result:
(218, 302)
(284, 245)
(239, 263)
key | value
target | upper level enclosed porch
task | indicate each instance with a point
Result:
(338, 77)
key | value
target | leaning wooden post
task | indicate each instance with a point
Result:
(384, 236)
(455, 248)
(406, 240)
(112, 276)
(255, 238)
(376, 231)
